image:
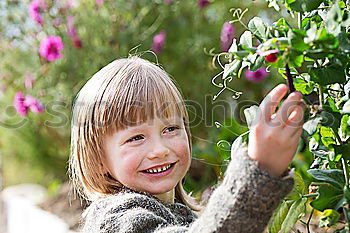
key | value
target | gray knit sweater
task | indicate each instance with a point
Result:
(242, 203)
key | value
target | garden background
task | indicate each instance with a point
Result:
(50, 48)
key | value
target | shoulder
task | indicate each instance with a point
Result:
(128, 211)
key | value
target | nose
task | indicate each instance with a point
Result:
(158, 150)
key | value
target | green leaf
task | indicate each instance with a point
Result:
(256, 63)
(278, 216)
(328, 198)
(246, 39)
(327, 136)
(299, 188)
(293, 215)
(257, 26)
(328, 75)
(330, 119)
(344, 41)
(345, 125)
(329, 218)
(303, 86)
(303, 5)
(343, 150)
(296, 39)
(334, 177)
(232, 68)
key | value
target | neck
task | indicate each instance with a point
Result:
(167, 197)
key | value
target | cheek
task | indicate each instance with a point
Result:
(182, 148)
(128, 162)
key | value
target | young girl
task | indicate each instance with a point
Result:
(131, 148)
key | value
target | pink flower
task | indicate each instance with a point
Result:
(257, 76)
(70, 27)
(28, 80)
(99, 2)
(226, 36)
(203, 3)
(50, 48)
(168, 1)
(158, 42)
(35, 10)
(34, 104)
(20, 106)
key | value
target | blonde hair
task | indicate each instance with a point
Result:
(125, 92)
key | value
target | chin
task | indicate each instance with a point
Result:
(159, 190)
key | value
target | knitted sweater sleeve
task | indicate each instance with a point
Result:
(243, 203)
(246, 199)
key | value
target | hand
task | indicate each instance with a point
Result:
(273, 140)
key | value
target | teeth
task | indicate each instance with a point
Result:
(159, 169)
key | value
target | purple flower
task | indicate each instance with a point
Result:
(99, 2)
(35, 10)
(34, 104)
(50, 48)
(20, 106)
(257, 76)
(226, 36)
(158, 42)
(203, 3)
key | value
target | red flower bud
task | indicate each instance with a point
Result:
(271, 58)
(77, 43)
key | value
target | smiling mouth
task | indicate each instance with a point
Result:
(159, 170)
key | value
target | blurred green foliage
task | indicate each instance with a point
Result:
(36, 147)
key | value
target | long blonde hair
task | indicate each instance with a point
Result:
(123, 93)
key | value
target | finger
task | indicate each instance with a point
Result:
(295, 120)
(287, 108)
(270, 102)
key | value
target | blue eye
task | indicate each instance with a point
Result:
(172, 128)
(135, 138)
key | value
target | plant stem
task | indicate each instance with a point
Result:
(308, 221)
(311, 195)
(289, 80)
(347, 224)
(320, 95)
(299, 20)
(345, 168)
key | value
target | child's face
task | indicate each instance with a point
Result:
(155, 144)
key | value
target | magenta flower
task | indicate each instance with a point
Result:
(158, 42)
(34, 104)
(20, 106)
(203, 3)
(35, 10)
(50, 48)
(257, 76)
(99, 2)
(226, 36)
